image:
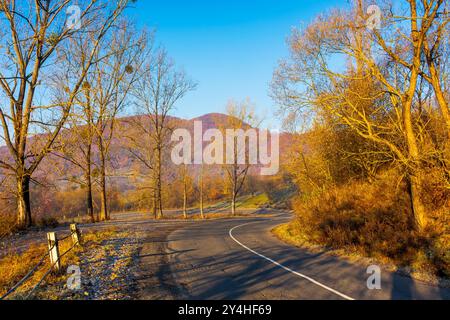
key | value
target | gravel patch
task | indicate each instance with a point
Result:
(107, 271)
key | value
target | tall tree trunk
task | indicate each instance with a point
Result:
(185, 193)
(89, 200)
(416, 202)
(160, 206)
(418, 208)
(419, 211)
(234, 181)
(103, 198)
(437, 85)
(159, 183)
(88, 178)
(233, 204)
(23, 202)
(154, 201)
(202, 213)
(104, 215)
(443, 104)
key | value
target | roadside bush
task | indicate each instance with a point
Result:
(14, 266)
(48, 222)
(374, 220)
(7, 224)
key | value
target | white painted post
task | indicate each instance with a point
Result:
(76, 235)
(53, 251)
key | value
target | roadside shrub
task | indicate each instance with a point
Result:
(374, 220)
(435, 190)
(48, 222)
(7, 224)
(15, 266)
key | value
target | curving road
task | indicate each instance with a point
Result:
(240, 259)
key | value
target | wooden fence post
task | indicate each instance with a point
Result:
(76, 235)
(53, 251)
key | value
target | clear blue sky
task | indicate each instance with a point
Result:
(230, 48)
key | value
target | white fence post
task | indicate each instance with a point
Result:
(53, 251)
(76, 234)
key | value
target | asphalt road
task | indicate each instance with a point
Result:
(240, 259)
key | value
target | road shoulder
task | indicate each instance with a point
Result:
(154, 278)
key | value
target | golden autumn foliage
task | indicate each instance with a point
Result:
(372, 159)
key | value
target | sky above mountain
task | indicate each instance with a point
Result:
(230, 48)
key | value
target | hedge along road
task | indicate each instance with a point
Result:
(241, 259)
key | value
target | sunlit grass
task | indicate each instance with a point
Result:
(370, 221)
(14, 266)
(252, 202)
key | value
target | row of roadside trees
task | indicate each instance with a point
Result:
(40, 80)
(380, 89)
(66, 74)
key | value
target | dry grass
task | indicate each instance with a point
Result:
(47, 222)
(372, 220)
(214, 216)
(254, 202)
(7, 225)
(208, 216)
(14, 266)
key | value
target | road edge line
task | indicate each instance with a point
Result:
(284, 267)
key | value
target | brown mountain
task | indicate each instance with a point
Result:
(122, 162)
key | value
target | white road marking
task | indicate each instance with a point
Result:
(284, 267)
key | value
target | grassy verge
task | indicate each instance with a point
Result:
(14, 266)
(420, 266)
(253, 202)
(374, 220)
(209, 216)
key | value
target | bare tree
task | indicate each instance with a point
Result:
(157, 91)
(378, 93)
(112, 79)
(435, 38)
(75, 146)
(104, 95)
(241, 117)
(32, 34)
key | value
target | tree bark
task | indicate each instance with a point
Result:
(233, 204)
(440, 97)
(88, 178)
(411, 140)
(159, 207)
(89, 200)
(104, 215)
(185, 195)
(23, 202)
(416, 203)
(202, 213)
(103, 195)
(418, 208)
(436, 82)
(155, 213)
